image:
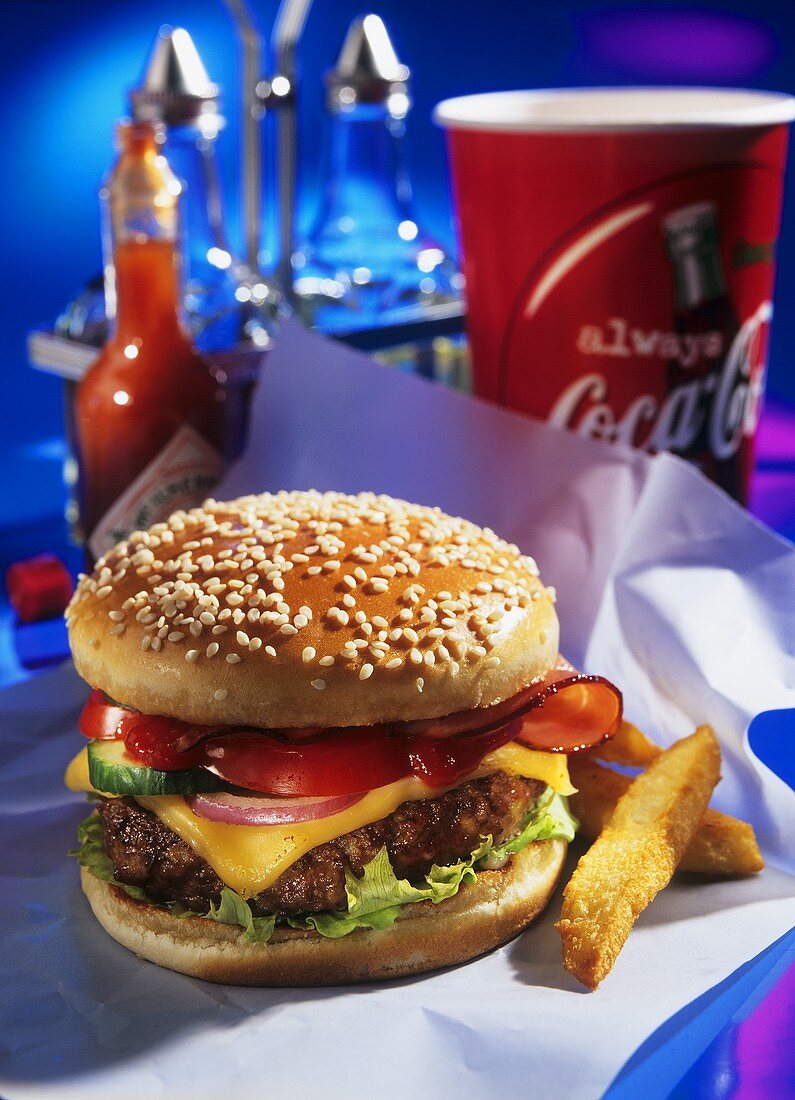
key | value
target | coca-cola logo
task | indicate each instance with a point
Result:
(725, 400)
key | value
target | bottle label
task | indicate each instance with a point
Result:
(181, 476)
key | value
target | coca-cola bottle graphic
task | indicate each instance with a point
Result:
(706, 326)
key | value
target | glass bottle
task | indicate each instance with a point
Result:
(702, 309)
(176, 90)
(150, 421)
(367, 261)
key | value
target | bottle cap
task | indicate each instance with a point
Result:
(368, 70)
(175, 87)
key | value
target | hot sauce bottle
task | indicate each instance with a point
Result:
(150, 413)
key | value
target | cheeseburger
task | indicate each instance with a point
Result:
(327, 739)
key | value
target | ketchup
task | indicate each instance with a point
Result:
(150, 414)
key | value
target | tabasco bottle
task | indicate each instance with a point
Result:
(150, 413)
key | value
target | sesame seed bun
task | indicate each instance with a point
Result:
(482, 915)
(312, 609)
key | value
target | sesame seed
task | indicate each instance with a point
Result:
(233, 658)
(220, 694)
(394, 663)
(119, 628)
(365, 672)
(287, 628)
(430, 658)
(327, 661)
(212, 649)
(116, 616)
(207, 618)
(300, 621)
(176, 636)
(104, 591)
(319, 685)
(192, 655)
(308, 654)
(415, 656)
(491, 662)
(242, 638)
(270, 650)
(349, 600)
(349, 580)
(219, 629)
(420, 683)
(405, 614)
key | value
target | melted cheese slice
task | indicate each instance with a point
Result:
(250, 858)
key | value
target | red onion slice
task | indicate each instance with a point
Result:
(234, 809)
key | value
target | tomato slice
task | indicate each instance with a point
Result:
(348, 761)
(103, 720)
(345, 762)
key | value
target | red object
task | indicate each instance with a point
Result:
(152, 740)
(149, 413)
(567, 712)
(39, 588)
(619, 259)
(103, 720)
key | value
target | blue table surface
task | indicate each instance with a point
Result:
(733, 1043)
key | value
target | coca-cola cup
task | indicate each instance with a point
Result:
(619, 253)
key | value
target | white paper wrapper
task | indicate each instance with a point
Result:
(664, 586)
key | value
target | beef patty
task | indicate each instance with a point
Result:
(442, 830)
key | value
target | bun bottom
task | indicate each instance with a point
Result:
(481, 916)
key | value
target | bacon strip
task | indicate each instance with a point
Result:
(564, 711)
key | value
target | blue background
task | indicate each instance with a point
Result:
(68, 65)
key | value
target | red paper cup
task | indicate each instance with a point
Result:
(619, 253)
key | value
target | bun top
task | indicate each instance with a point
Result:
(312, 609)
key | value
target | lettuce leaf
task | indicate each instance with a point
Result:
(374, 900)
(549, 819)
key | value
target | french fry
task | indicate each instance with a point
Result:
(630, 747)
(723, 845)
(636, 854)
